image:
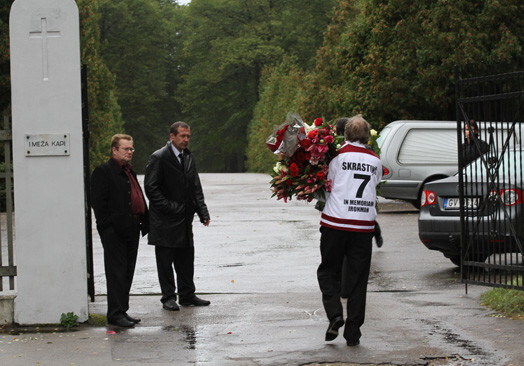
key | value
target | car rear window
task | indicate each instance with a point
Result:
(429, 146)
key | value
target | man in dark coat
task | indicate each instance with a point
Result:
(175, 195)
(121, 213)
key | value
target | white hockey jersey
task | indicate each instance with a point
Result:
(355, 173)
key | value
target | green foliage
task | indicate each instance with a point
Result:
(227, 45)
(105, 118)
(324, 92)
(140, 46)
(393, 60)
(299, 28)
(510, 303)
(396, 58)
(69, 320)
(281, 92)
(211, 63)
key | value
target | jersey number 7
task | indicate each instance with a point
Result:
(365, 180)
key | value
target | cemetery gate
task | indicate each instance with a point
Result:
(490, 97)
(87, 185)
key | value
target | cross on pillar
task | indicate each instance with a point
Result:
(44, 34)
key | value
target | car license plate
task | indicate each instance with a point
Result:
(454, 203)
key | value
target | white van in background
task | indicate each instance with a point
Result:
(414, 153)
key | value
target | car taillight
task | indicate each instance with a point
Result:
(511, 196)
(428, 198)
(385, 171)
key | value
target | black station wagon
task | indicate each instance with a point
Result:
(493, 208)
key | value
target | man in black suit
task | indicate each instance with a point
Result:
(175, 195)
(121, 213)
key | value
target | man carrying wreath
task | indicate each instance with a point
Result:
(347, 226)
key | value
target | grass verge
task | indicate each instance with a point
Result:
(509, 303)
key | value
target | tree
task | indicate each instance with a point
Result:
(282, 91)
(325, 91)
(227, 45)
(104, 113)
(396, 59)
(139, 46)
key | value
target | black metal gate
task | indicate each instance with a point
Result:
(87, 197)
(490, 104)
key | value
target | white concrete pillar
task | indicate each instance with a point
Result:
(50, 251)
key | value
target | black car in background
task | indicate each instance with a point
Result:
(493, 207)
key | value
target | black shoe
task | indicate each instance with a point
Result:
(353, 343)
(195, 301)
(121, 322)
(131, 319)
(171, 305)
(332, 331)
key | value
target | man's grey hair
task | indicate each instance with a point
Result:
(175, 126)
(357, 129)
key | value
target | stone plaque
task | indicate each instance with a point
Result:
(47, 144)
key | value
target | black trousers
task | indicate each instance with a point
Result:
(356, 246)
(120, 252)
(183, 261)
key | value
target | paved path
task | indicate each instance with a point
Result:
(257, 263)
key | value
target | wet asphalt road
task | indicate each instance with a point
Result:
(257, 264)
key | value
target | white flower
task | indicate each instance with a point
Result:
(308, 127)
(279, 167)
(373, 132)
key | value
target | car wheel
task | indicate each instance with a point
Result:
(480, 257)
(475, 257)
